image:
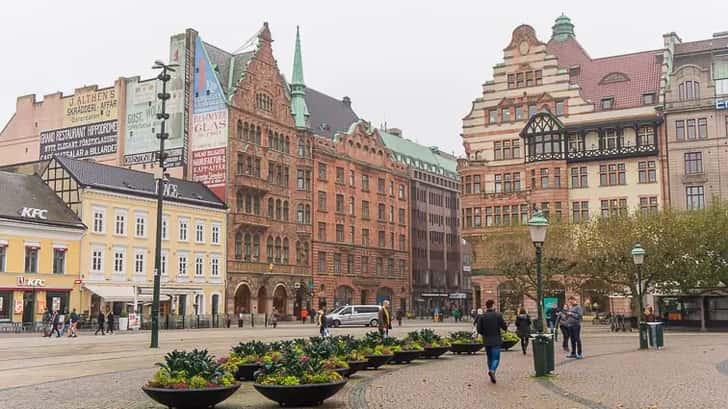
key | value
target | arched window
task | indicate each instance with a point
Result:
(308, 149)
(256, 247)
(269, 247)
(278, 209)
(270, 139)
(305, 252)
(246, 134)
(240, 129)
(276, 142)
(278, 250)
(308, 214)
(285, 210)
(239, 200)
(298, 252)
(270, 208)
(256, 205)
(257, 135)
(285, 250)
(287, 146)
(246, 248)
(301, 147)
(299, 214)
(238, 245)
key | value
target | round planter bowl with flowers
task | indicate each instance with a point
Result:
(358, 365)
(375, 361)
(465, 348)
(406, 356)
(434, 352)
(246, 372)
(190, 398)
(300, 395)
(345, 372)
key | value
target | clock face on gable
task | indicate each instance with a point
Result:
(523, 47)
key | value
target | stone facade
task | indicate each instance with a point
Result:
(360, 224)
(559, 131)
(269, 194)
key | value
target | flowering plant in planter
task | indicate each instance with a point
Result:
(295, 369)
(191, 370)
(428, 338)
(464, 337)
(249, 352)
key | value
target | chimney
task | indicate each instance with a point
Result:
(395, 132)
(346, 101)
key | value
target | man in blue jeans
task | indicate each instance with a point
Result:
(573, 325)
(489, 325)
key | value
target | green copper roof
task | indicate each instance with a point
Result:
(419, 156)
(298, 87)
(562, 29)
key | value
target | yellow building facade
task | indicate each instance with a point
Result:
(40, 248)
(117, 252)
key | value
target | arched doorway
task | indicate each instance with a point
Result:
(242, 299)
(344, 296)
(215, 304)
(510, 298)
(384, 293)
(262, 301)
(280, 300)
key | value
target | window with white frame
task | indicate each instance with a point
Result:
(97, 215)
(215, 236)
(119, 260)
(120, 223)
(199, 265)
(200, 231)
(183, 226)
(215, 266)
(3, 256)
(182, 265)
(139, 261)
(140, 229)
(163, 263)
(165, 224)
(97, 259)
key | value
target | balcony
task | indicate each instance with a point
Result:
(252, 182)
(698, 103)
(611, 153)
(518, 194)
(251, 220)
(242, 266)
(303, 229)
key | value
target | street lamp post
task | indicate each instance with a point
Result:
(638, 256)
(164, 77)
(543, 345)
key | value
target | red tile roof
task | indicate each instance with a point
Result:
(702, 45)
(641, 68)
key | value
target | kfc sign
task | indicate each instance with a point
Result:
(33, 282)
(34, 213)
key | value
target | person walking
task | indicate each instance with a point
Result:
(274, 318)
(73, 324)
(110, 322)
(55, 323)
(523, 328)
(399, 317)
(561, 324)
(456, 314)
(100, 322)
(322, 323)
(573, 323)
(385, 320)
(489, 325)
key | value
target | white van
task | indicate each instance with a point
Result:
(366, 315)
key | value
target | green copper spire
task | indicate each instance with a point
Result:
(298, 88)
(562, 29)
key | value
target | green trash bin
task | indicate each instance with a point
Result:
(644, 335)
(543, 354)
(657, 334)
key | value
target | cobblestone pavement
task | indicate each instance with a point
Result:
(107, 372)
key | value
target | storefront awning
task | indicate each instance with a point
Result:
(170, 291)
(117, 293)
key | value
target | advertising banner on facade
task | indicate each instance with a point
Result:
(209, 125)
(142, 105)
(90, 126)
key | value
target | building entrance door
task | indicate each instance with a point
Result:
(28, 307)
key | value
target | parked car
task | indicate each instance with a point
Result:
(367, 315)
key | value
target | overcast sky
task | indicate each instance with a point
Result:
(415, 64)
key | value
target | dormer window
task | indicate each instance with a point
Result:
(648, 99)
(263, 102)
(608, 103)
(614, 77)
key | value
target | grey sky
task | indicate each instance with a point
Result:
(417, 65)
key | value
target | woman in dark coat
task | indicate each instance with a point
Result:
(523, 328)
